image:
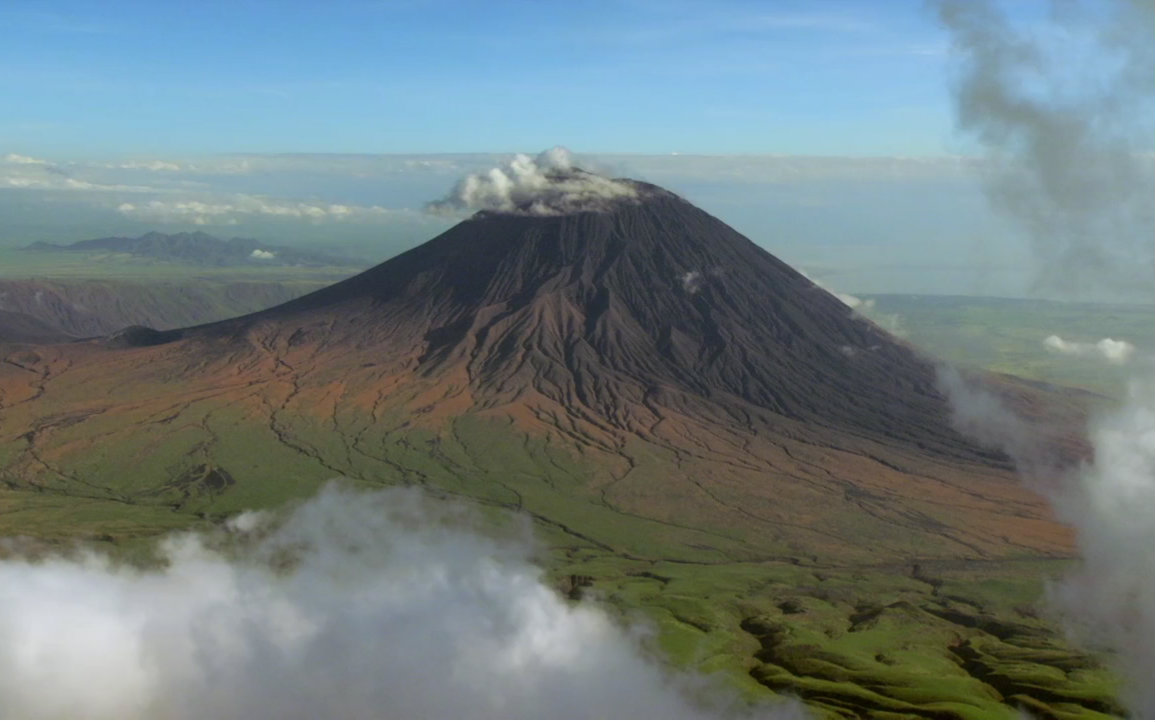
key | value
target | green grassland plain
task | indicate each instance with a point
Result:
(966, 639)
(1007, 335)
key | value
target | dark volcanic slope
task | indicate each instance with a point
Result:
(603, 308)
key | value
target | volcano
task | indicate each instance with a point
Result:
(695, 429)
(639, 374)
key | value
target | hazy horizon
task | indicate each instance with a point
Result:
(830, 135)
(863, 224)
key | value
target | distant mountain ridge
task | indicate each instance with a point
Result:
(201, 249)
(45, 309)
(23, 328)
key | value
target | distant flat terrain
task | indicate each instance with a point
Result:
(198, 249)
(1008, 335)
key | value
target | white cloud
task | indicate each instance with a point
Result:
(27, 173)
(691, 281)
(1116, 352)
(17, 159)
(150, 165)
(385, 605)
(855, 302)
(549, 184)
(230, 210)
(262, 255)
(1109, 602)
(60, 182)
(430, 164)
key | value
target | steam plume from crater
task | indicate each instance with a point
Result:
(547, 185)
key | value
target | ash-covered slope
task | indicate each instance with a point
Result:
(604, 309)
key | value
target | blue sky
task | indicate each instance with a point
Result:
(823, 130)
(427, 76)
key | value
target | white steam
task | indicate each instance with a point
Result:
(262, 255)
(359, 605)
(547, 185)
(853, 302)
(691, 281)
(982, 416)
(1116, 352)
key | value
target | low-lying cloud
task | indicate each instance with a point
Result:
(156, 166)
(382, 604)
(1108, 349)
(18, 159)
(547, 185)
(1109, 602)
(232, 210)
(24, 172)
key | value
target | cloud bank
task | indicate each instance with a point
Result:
(547, 185)
(1116, 352)
(18, 159)
(231, 210)
(384, 604)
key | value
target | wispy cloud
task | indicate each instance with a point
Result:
(166, 166)
(45, 177)
(17, 159)
(1108, 349)
(230, 211)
